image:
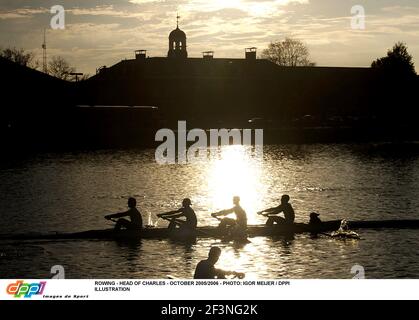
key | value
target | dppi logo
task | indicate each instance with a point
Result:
(27, 290)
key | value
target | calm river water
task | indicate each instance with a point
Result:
(73, 191)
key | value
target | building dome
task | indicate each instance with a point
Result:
(177, 34)
(177, 43)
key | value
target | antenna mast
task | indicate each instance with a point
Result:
(44, 54)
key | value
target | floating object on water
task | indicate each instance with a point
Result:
(344, 233)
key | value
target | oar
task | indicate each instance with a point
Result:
(239, 275)
(196, 229)
(167, 219)
(112, 220)
(325, 234)
(214, 215)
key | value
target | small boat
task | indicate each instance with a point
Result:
(214, 232)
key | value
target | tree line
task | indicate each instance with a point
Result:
(294, 53)
(57, 66)
(289, 53)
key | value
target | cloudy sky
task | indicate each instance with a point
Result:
(104, 32)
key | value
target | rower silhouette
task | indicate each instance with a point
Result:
(185, 211)
(284, 207)
(314, 219)
(241, 218)
(135, 222)
(205, 269)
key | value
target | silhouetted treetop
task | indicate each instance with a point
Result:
(289, 52)
(398, 61)
(60, 68)
(20, 56)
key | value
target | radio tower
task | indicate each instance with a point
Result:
(44, 54)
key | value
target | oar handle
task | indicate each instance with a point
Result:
(214, 215)
(239, 275)
(165, 218)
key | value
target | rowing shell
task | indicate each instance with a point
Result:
(213, 232)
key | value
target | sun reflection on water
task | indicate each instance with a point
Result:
(236, 172)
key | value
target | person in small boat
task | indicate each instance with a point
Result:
(135, 222)
(205, 269)
(284, 207)
(241, 216)
(175, 216)
(314, 219)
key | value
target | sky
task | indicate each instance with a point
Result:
(103, 32)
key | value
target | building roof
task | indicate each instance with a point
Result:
(160, 67)
(177, 34)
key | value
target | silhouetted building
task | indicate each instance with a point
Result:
(211, 91)
(251, 53)
(140, 54)
(177, 44)
(299, 104)
(224, 92)
(208, 55)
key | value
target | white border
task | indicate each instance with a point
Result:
(296, 289)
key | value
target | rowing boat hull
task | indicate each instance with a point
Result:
(213, 232)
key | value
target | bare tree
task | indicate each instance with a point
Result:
(289, 52)
(20, 56)
(59, 67)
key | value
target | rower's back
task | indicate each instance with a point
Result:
(289, 212)
(135, 217)
(190, 215)
(241, 216)
(205, 270)
(287, 209)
